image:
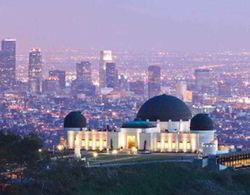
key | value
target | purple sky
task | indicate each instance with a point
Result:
(184, 25)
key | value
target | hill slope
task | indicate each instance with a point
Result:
(164, 178)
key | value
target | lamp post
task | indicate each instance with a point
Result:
(115, 152)
(95, 154)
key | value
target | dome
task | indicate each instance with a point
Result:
(138, 124)
(74, 120)
(164, 108)
(201, 122)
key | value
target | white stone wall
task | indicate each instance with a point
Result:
(145, 137)
(173, 126)
(177, 142)
(205, 137)
(209, 149)
(182, 141)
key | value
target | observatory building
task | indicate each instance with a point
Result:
(163, 124)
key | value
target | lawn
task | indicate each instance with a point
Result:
(125, 158)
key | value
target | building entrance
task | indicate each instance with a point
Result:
(131, 140)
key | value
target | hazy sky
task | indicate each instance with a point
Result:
(185, 25)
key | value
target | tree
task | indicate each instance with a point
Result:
(8, 142)
(27, 149)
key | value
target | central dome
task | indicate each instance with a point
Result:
(164, 108)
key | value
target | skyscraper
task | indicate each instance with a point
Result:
(111, 75)
(8, 63)
(35, 71)
(202, 79)
(182, 91)
(224, 89)
(181, 88)
(83, 71)
(105, 57)
(51, 85)
(123, 82)
(154, 81)
(60, 74)
(137, 87)
(83, 83)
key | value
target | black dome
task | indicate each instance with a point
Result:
(164, 108)
(201, 122)
(74, 120)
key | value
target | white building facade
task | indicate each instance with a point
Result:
(155, 133)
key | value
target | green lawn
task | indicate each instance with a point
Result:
(124, 158)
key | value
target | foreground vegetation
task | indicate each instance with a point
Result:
(167, 178)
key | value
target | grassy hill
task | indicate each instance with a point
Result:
(166, 178)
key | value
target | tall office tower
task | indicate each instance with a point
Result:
(123, 82)
(8, 63)
(111, 75)
(35, 71)
(137, 87)
(51, 85)
(181, 88)
(83, 71)
(60, 75)
(105, 57)
(202, 80)
(154, 81)
(182, 91)
(224, 89)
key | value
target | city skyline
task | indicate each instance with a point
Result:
(120, 97)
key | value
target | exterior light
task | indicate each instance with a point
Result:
(60, 147)
(115, 152)
(40, 150)
(95, 154)
(134, 150)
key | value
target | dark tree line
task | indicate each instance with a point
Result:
(20, 150)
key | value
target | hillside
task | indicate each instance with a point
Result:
(165, 178)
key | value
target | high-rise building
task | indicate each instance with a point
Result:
(224, 89)
(137, 87)
(51, 85)
(154, 81)
(105, 57)
(81, 87)
(182, 91)
(83, 71)
(202, 80)
(35, 71)
(181, 88)
(60, 75)
(111, 75)
(8, 63)
(123, 82)
(83, 83)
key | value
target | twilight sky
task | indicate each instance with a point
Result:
(182, 25)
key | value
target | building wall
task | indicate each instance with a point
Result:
(177, 142)
(175, 125)
(112, 137)
(209, 149)
(205, 137)
(145, 139)
(152, 139)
